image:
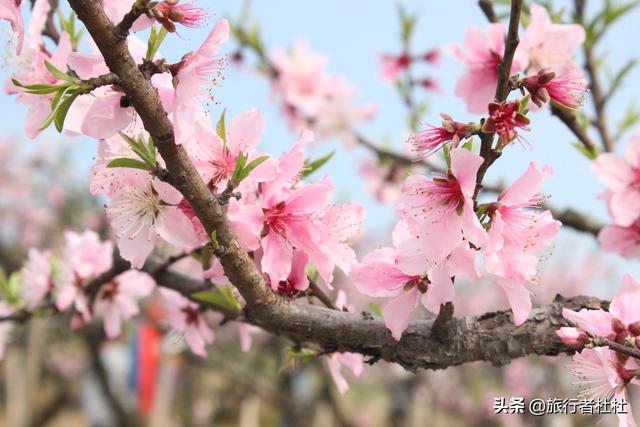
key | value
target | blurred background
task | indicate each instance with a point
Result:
(52, 377)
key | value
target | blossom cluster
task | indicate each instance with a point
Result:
(314, 99)
(604, 372)
(440, 235)
(545, 55)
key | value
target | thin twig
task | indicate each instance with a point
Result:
(620, 348)
(502, 91)
(319, 293)
(596, 90)
(487, 9)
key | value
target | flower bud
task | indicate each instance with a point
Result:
(618, 325)
(634, 328)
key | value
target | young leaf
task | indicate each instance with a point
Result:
(63, 109)
(57, 73)
(36, 89)
(311, 167)
(123, 162)
(221, 129)
(222, 296)
(251, 166)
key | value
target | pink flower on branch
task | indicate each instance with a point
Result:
(428, 141)
(565, 89)
(517, 233)
(482, 56)
(504, 120)
(85, 257)
(185, 317)
(404, 274)
(144, 209)
(117, 300)
(441, 210)
(169, 12)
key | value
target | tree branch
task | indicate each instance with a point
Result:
(492, 337)
(502, 91)
(596, 91)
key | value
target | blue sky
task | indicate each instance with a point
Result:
(353, 34)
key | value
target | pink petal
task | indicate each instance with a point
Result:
(625, 304)
(596, 322)
(398, 312)
(276, 260)
(440, 290)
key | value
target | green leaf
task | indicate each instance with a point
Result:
(237, 171)
(155, 41)
(591, 155)
(63, 109)
(446, 152)
(39, 89)
(222, 296)
(221, 129)
(123, 162)
(311, 167)
(251, 166)
(57, 73)
(145, 151)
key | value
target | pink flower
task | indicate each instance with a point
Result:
(621, 175)
(603, 376)
(290, 222)
(549, 45)
(37, 281)
(392, 66)
(186, 14)
(297, 281)
(441, 210)
(339, 112)
(106, 110)
(40, 105)
(403, 274)
(301, 77)
(513, 223)
(504, 120)
(430, 140)
(116, 9)
(117, 300)
(143, 209)
(10, 12)
(85, 257)
(216, 160)
(621, 240)
(516, 235)
(483, 55)
(185, 317)
(620, 322)
(564, 89)
(199, 71)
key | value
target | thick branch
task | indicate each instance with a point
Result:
(236, 263)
